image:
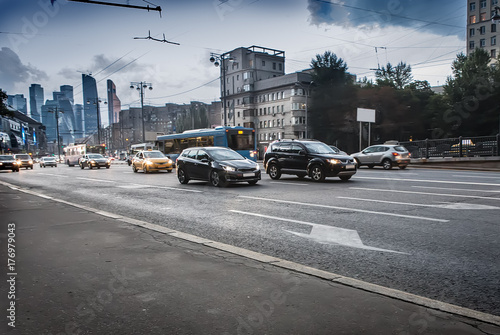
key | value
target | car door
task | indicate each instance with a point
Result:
(365, 157)
(379, 153)
(190, 163)
(138, 160)
(202, 165)
(298, 158)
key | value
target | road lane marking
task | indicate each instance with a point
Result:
(428, 181)
(99, 180)
(457, 189)
(446, 205)
(287, 183)
(138, 186)
(346, 209)
(53, 174)
(325, 234)
(473, 176)
(424, 193)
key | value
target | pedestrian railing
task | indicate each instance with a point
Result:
(455, 147)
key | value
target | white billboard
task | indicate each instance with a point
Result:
(366, 115)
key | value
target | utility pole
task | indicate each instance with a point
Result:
(56, 113)
(140, 86)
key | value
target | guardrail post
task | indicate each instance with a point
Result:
(427, 148)
(460, 147)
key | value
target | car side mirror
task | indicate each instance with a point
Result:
(302, 152)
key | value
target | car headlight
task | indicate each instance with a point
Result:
(228, 168)
(1, 164)
(149, 162)
(92, 162)
(257, 167)
(31, 162)
(333, 161)
(169, 161)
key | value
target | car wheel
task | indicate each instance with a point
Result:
(134, 168)
(317, 173)
(145, 169)
(402, 167)
(387, 164)
(31, 167)
(182, 176)
(345, 178)
(107, 166)
(274, 171)
(169, 171)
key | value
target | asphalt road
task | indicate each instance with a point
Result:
(432, 233)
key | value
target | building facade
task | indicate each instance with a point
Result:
(90, 105)
(36, 101)
(114, 104)
(18, 102)
(481, 30)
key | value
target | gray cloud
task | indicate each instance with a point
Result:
(13, 71)
(443, 17)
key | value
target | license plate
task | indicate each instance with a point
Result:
(350, 166)
(249, 174)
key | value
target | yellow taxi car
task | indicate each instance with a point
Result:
(151, 160)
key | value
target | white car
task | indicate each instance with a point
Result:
(385, 155)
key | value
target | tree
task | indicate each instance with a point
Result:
(398, 76)
(3, 106)
(472, 96)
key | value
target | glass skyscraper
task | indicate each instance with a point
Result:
(36, 101)
(114, 104)
(90, 104)
(18, 102)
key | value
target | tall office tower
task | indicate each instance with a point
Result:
(68, 92)
(90, 104)
(49, 119)
(78, 112)
(36, 102)
(18, 102)
(114, 104)
(481, 30)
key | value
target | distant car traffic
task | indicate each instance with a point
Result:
(307, 158)
(385, 155)
(48, 161)
(24, 160)
(219, 165)
(151, 160)
(94, 160)
(8, 162)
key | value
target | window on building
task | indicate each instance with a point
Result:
(278, 122)
(483, 17)
(238, 102)
(494, 2)
(265, 124)
(274, 112)
(472, 32)
(274, 96)
(273, 123)
(246, 88)
(238, 114)
(493, 28)
(482, 3)
(260, 111)
(482, 42)
(472, 19)
(264, 110)
(260, 124)
(274, 66)
(263, 63)
(250, 63)
(471, 45)
(472, 6)
(482, 30)
(237, 77)
(280, 66)
(493, 40)
(493, 53)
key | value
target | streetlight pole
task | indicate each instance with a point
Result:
(220, 59)
(56, 114)
(307, 103)
(140, 86)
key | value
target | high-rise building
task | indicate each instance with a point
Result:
(114, 104)
(67, 90)
(18, 102)
(481, 30)
(36, 101)
(78, 129)
(90, 105)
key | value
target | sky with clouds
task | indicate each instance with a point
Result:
(53, 45)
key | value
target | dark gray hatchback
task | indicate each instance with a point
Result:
(218, 165)
(307, 158)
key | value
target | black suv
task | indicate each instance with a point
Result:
(307, 158)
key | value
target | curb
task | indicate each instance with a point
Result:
(281, 263)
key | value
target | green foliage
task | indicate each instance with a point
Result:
(3, 106)
(398, 76)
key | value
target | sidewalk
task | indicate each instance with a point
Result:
(82, 272)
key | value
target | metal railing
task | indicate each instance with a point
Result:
(455, 147)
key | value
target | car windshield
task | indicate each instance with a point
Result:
(23, 156)
(6, 158)
(225, 155)
(49, 159)
(96, 156)
(154, 154)
(318, 148)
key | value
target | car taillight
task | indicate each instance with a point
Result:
(395, 154)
